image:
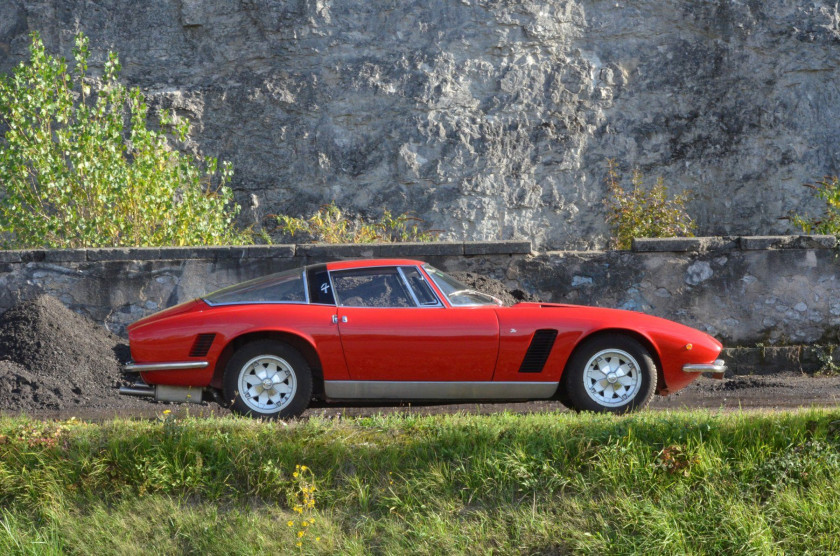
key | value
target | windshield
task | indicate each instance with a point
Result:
(457, 293)
(283, 287)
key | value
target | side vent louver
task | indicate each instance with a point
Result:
(538, 351)
(202, 345)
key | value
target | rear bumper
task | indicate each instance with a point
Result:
(718, 367)
(132, 367)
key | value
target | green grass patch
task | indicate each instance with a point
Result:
(674, 483)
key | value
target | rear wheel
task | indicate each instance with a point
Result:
(562, 396)
(268, 379)
(610, 373)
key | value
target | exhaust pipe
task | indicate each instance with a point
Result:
(140, 390)
(164, 393)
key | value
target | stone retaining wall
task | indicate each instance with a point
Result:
(747, 291)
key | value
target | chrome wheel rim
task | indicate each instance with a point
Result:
(267, 384)
(612, 377)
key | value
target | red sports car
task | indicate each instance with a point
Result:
(395, 330)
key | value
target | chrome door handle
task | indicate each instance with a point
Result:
(343, 319)
(335, 319)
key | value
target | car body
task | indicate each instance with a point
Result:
(399, 330)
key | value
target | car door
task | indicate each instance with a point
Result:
(393, 328)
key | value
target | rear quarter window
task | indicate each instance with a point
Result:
(283, 287)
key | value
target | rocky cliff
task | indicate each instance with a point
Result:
(489, 119)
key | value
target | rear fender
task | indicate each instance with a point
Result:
(304, 345)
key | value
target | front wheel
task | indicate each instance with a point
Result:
(269, 380)
(611, 373)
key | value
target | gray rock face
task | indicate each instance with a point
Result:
(488, 119)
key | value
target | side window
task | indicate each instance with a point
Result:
(421, 289)
(320, 290)
(371, 287)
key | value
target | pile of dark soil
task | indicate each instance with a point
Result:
(53, 358)
(493, 287)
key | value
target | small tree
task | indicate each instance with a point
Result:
(641, 213)
(79, 168)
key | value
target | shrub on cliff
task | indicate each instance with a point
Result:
(827, 189)
(331, 225)
(79, 168)
(643, 213)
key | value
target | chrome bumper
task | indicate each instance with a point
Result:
(132, 367)
(718, 367)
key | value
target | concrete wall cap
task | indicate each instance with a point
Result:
(336, 250)
(666, 244)
(10, 256)
(263, 251)
(418, 250)
(404, 250)
(510, 247)
(65, 255)
(753, 243)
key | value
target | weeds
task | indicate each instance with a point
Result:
(302, 496)
(827, 189)
(676, 459)
(331, 225)
(643, 213)
(828, 366)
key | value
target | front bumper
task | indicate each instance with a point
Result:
(718, 367)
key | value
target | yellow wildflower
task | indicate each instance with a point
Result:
(291, 523)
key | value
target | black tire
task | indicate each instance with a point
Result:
(562, 396)
(629, 375)
(283, 390)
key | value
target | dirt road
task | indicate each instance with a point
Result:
(771, 392)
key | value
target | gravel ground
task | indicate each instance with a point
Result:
(55, 363)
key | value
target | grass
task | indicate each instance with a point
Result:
(673, 483)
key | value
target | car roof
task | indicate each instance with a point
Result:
(366, 263)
